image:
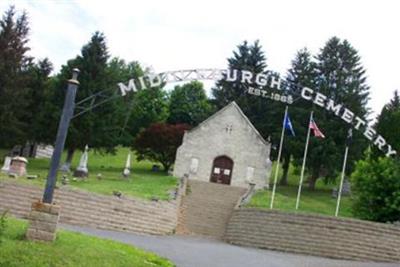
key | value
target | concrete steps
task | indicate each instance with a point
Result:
(207, 208)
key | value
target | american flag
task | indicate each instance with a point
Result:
(317, 132)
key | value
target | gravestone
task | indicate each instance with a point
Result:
(127, 170)
(82, 170)
(65, 167)
(6, 165)
(346, 189)
(15, 151)
(28, 150)
(155, 168)
(334, 192)
(18, 166)
(44, 151)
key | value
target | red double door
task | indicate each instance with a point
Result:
(221, 171)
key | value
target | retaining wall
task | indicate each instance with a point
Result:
(317, 235)
(94, 210)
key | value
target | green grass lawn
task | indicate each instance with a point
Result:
(142, 183)
(70, 249)
(317, 201)
(146, 184)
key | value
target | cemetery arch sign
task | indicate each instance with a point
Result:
(260, 85)
(257, 84)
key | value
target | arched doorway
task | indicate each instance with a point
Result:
(221, 171)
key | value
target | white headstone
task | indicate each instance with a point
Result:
(82, 169)
(65, 167)
(44, 151)
(127, 170)
(6, 166)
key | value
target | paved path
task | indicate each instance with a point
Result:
(199, 252)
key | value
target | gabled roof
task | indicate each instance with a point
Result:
(236, 106)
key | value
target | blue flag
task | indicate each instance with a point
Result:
(288, 125)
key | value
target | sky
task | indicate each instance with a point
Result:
(174, 35)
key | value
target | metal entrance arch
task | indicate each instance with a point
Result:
(256, 84)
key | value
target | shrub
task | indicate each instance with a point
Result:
(376, 188)
(3, 225)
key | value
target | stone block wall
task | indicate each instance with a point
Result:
(94, 210)
(318, 235)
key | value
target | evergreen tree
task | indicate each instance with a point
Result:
(13, 77)
(302, 73)
(341, 77)
(188, 104)
(388, 123)
(99, 127)
(38, 94)
(247, 57)
(263, 113)
(92, 63)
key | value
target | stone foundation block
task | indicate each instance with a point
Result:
(38, 235)
(43, 226)
(43, 220)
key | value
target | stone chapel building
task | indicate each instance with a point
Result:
(226, 149)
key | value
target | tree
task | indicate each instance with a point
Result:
(159, 143)
(188, 104)
(149, 106)
(140, 109)
(247, 57)
(250, 57)
(99, 127)
(388, 123)
(38, 94)
(120, 71)
(341, 77)
(302, 72)
(376, 189)
(13, 77)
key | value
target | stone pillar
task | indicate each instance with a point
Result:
(43, 220)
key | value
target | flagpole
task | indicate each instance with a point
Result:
(304, 161)
(341, 181)
(279, 159)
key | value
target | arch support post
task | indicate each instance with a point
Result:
(44, 215)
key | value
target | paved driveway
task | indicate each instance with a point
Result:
(199, 252)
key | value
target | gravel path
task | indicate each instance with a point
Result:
(187, 251)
